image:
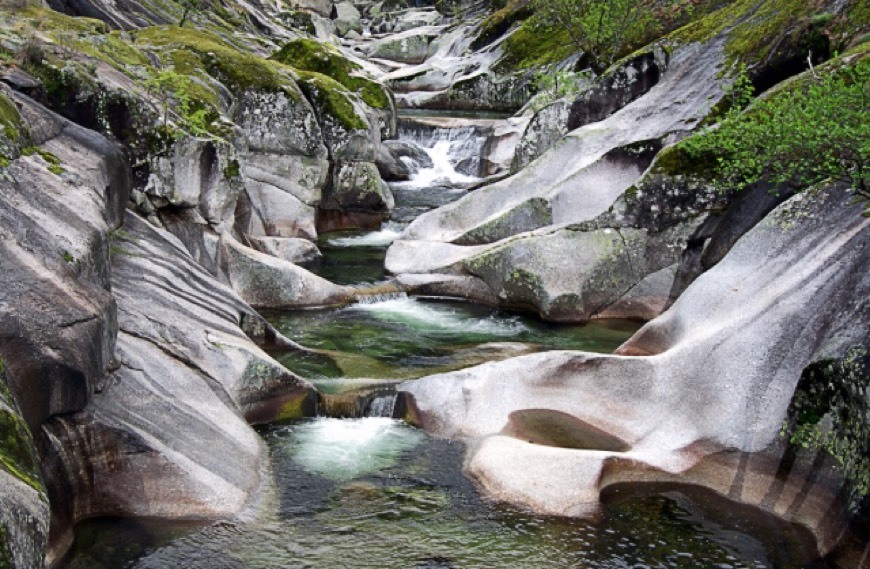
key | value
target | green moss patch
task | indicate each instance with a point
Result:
(16, 445)
(500, 21)
(309, 55)
(534, 44)
(111, 48)
(46, 19)
(238, 69)
(756, 27)
(331, 99)
(10, 119)
(16, 450)
(54, 163)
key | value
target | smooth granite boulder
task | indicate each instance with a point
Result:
(713, 375)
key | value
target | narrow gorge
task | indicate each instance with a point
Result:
(408, 285)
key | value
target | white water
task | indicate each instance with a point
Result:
(382, 406)
(442, 172)
(343, 449)
(438, 318)
(382, 238)
(446, 147)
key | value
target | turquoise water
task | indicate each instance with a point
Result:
(403, 338)
(375, 493)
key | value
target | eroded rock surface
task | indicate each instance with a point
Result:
(714, 372)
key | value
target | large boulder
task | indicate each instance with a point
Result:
(136, 449)
(320, 7)
(713, 375)
(285, 165)
(55, 306)
(357, 186)
(347, 18)
(411, 46)
(512, 234)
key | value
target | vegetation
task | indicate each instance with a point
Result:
(812, 129)
(54, 163)
(552, 85)
(170, 86)
(16, 445)
(215, 56)
(330, 99)
(830, 411)
(556, 30)
(602, 30)
(10, 119)
(310, 55)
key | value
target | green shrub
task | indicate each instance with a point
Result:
(830, 411)
(811, 130)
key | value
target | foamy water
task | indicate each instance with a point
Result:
(438, 317)
(343, 449)
(382, 238)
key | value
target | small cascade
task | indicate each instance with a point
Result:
(383, 405)
(370, 401)
(388, 233)
(455, 147)
(381, 297)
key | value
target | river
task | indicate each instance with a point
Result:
(368, 490)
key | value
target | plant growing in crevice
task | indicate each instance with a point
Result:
(54, 163)
(115, 237)
(553, 85)
(173, 93)
(830, 411)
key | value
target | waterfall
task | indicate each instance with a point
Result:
(382, 405)
(364, 402)
(455, 148)
(381, 297)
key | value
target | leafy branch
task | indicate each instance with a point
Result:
(173, 92)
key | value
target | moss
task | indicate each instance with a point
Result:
(756, 27)
(675, 161)
(309, 55)
(10, 119)
(16, 450)
(16, 445)
(233, 170)
(218, 58)
(296, 406)
(331, 99)
(110, 48)
(497, 23)
(54, 163)
(534, 44)
(47, 19)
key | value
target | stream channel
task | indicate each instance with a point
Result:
(370, 491)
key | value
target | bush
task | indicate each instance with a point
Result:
(812, 130)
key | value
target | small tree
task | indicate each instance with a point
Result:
(172, 87)
(603, 29)
(553, 85)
